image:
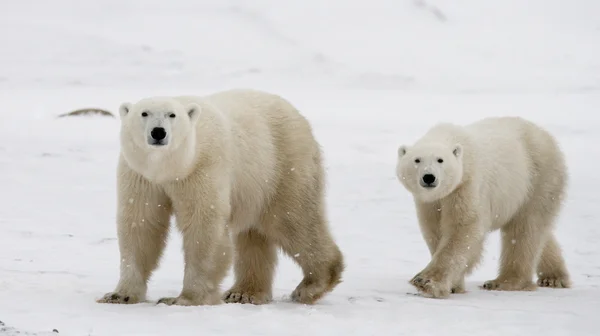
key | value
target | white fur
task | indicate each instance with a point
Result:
(442, 160)
(239, 161)
(175, 158)
(497, 173)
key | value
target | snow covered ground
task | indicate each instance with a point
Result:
(369, 75)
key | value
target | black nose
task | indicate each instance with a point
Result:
(428, 178)
(158, 133)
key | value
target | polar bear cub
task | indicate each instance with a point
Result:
(499, 173)
(239, 162)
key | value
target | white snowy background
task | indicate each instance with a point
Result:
(369, 74)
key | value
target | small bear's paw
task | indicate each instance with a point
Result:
(186, 300)
(554, 282)
(509, 285)
(431, 284)
(239, 295)
(119, 298)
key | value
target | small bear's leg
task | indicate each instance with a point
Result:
(458, 286)
(458, 253)
(429, 216)
(551, 270)
(462, 234)
(255, 263)
(523, 239)
(528, 243)
(143, 216)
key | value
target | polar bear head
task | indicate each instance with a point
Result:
(158, 137)
(430, 171)
(157, 124)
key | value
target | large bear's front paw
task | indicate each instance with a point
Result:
(185, 300)
(509, 285)
(119, 298)
(554, 281)
(431, 284)
(246, 296)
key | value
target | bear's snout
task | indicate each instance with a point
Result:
(158, 135)
(428, 181)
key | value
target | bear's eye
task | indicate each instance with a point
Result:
(172, 115)
(417, 160)
(440, 160)
(144, 114)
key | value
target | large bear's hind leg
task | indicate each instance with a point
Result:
(551, 270)
(306, 239)
(254, 267)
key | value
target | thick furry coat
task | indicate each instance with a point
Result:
(241, 162)
(498, 173)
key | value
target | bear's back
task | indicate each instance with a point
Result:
(266, 139)
(511, 152)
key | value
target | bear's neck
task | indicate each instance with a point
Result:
(164, 166)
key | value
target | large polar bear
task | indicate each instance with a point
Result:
(499, 173)
(243, 162)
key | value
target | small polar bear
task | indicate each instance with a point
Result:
(239, 162)
(498, 173)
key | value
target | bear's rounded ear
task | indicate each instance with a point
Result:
(457, 151)
(193, 111)
(124, 109)
(402, 150)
